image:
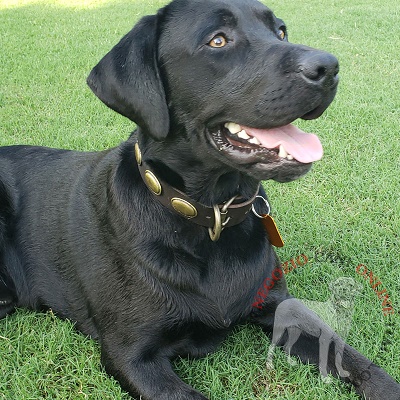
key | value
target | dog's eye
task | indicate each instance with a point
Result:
(218, 41)
(281, 34)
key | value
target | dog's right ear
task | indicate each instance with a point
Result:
(127, 79)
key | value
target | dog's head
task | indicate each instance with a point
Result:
(220, 77)
(344, 291)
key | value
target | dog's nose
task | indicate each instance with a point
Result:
(319, 68)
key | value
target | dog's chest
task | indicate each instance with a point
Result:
(196, 322)
(205, 287)
(220, 294)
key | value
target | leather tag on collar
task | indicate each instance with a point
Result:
(274, 235)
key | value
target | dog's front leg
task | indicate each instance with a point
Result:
(147, 376)
(315, 342)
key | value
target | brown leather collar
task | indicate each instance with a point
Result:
(215, 218)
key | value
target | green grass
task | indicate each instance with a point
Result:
(345, 212)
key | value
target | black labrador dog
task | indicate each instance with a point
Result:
(153, 247)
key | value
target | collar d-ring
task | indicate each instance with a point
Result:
(266, 203)
(221, 219)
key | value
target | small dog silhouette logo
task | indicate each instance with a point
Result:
(336, 312)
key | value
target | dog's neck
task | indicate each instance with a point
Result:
(184, 169)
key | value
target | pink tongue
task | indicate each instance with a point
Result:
(304, 147)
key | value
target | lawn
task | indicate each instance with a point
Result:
(346, 212)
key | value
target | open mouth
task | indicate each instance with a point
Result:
(282, 144)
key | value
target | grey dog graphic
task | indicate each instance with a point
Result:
(337, 313)
(338, 310)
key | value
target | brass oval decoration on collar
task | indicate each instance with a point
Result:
(152, 182)
(183, 207)
(138, 154)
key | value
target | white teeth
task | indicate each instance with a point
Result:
(282, 152)
(233, 128)
(254, 140)
(243, 135)
(236, 129)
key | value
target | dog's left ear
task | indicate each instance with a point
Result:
(127, 79)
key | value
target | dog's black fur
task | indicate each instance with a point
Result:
(82, 234)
